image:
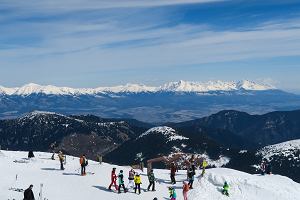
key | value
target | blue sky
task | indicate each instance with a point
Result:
(107, 42)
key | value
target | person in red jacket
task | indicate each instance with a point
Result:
(113, 179)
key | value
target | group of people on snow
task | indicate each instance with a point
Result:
(135, 181)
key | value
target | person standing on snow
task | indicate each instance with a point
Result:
(191, 175)
(172, 193)
(83, 164)
(61, 159)
(263, 167)
(121, 182)
(137, 182)
(269, 168)
(151, 179)
(113, 179)
(28, 194)
(185, 190)
(131, 179)
(173, 173)
(204, 165)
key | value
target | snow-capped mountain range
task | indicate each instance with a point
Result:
(180, 86)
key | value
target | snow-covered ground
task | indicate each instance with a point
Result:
(284, 149)
(68, 185)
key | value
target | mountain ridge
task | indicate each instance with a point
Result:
(180, 86)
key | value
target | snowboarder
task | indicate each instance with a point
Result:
(83, 163)
(185, 190)
(28, 194)
(151, 179)
(172, 193)
(121, 182)
(204, 165)
(173, 173)
(131, 179)
(137, 182)
(61, 160)
(225, 189)
(191, 175)
(113, 179)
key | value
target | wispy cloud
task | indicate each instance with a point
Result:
(112, 35)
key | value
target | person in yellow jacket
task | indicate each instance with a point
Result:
(137, 182)
(204, 165)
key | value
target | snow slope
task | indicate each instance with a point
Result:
(68, 185)
(180, 86)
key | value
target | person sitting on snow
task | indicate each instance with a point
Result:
(225, 189)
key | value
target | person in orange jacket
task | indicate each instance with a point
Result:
(113, 179)
(83, 164)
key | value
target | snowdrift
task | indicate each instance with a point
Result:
(18, 173)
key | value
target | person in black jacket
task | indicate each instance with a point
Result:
(28, 194)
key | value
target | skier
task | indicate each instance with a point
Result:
(61, 159)
(131, 179)
(137, 182)
(204, 165)
(121, 182)
(173, 172)
(83, 164)
(225, 189)
(191, 175)
(28, 194)
(113, 179)
(151, 179)
(172, 193)
(185, 190)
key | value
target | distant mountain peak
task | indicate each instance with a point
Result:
(179, 86)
